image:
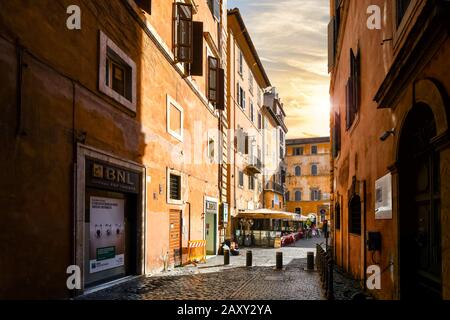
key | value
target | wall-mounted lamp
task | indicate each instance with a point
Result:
(386, 134)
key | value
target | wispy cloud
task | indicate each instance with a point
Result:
(291, 39)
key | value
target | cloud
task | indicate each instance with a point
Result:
(291, 39)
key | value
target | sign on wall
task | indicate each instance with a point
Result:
(107, 234)
(383, 198)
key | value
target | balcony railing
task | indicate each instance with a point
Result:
(273, 186)
(254, 165)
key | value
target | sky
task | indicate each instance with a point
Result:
(291, 39)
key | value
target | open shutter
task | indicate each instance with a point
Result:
(349, 103)
(331, 44)
(145, 5)
(221, 90)
(183, 32)
(197, 45)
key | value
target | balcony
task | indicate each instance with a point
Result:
(254, 165)
(273, 186)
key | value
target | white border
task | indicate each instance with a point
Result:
(106, 43)
(170, 101)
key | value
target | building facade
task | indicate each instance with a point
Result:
(308, 177)
(112, 155)
(391, 153)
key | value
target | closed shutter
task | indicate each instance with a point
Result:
(197, 63)
(331, 44)
(349, 103)
(238, 94)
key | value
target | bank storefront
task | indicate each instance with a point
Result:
(110, 217)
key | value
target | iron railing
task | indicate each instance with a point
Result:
(324, 262)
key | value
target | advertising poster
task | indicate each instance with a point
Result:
(107, 234)
(383, 200)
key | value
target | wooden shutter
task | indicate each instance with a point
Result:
(349, 103)
(213, 79)
(331, 44)
(183, 32)
(197, 50)
(145, 5)
(246, 143)
(221, 90)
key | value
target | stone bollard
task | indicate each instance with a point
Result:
(249, 258)
(226, 257)
(310, 261)
(279, 257)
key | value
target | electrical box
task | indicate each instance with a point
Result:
(374, 241)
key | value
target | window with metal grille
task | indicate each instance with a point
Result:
(183, 32)
(354, 214)
(175, 187)
(314, 170)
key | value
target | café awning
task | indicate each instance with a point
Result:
(270, 214)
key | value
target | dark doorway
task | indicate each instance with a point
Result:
(420, 237)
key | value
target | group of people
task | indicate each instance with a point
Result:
(311, 230)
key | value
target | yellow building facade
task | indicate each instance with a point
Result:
(308, 177)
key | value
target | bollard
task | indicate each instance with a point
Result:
(226, 257)
(249, 258)
(310, 261)
(279, 257)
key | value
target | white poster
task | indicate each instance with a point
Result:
(383, 198)
(107, 234)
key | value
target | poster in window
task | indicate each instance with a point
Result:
(107, 234)
(383, 198)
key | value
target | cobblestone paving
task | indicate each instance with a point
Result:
(214, 281)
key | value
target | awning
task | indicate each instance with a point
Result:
(270, 214)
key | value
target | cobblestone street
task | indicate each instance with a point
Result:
(214, 281)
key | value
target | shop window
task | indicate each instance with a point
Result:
(117, 73)
(313, 149)
(337, 213)
(355, 215)
(241, 179)
(183, 32)
(175, 118)
(298, 196)
(298, 171)
(314, 170)
(145, 5)
(174, 183)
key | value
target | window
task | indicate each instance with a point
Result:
(211, 147)
(336, 135)
(298, 210)
(337, 214)
(213, 70)
(250, 82)
(298, 151)
(298, 196)
(183, 32)
(402, 6)
(174, 187)
(355, 215)
(259, 121)
(314, 170)
(333, 34)
(259, 97)
(242, 141)
(353, 89)
(241, 96)
(287, 196)
(241, 62)
(241, 179)
(252, 112)
(175, 118)
(313, 149)
(117, 73)
(145, 5)
(298, 171)
(214, 6)
(315, 195)
(251, 183)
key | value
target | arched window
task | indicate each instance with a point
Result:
(298, 196)
(298, 171)
(298, 210)
(314, 169)
(354, 214)
(287, 196)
